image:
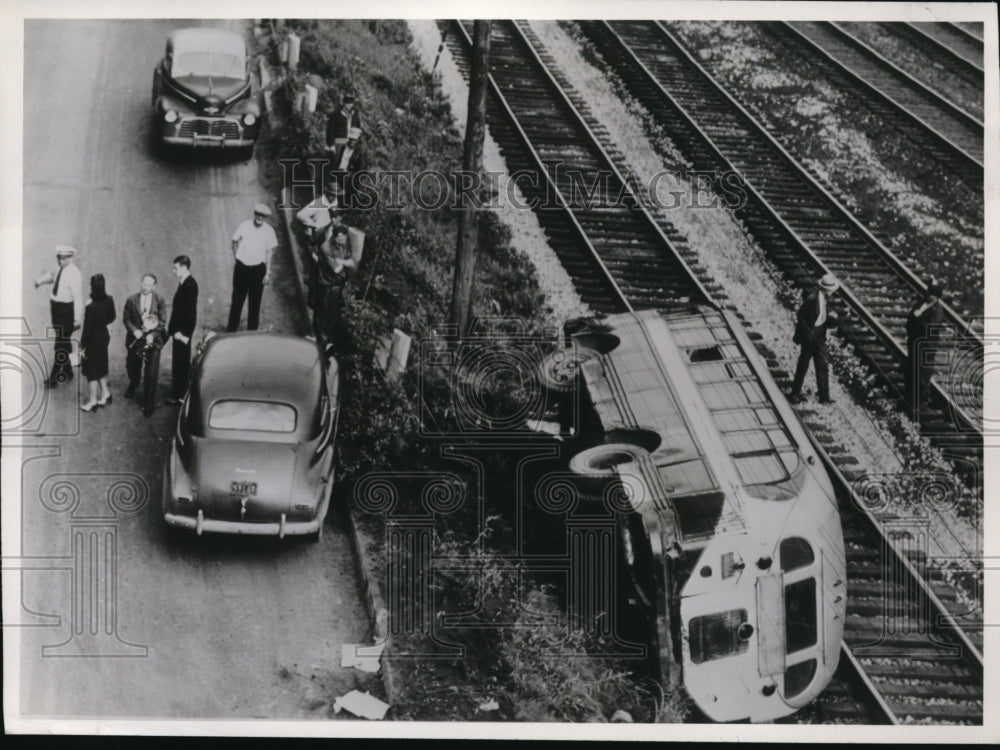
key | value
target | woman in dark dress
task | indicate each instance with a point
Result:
(94, 341)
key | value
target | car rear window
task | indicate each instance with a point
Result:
(207, 64)
(257, 416)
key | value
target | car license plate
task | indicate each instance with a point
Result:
(243, 488)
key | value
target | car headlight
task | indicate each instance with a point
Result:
(170, 116)
(249, 119)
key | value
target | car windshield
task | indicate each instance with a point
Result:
(255, 416)
(212, 64)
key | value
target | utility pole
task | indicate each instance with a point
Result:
(472, 164)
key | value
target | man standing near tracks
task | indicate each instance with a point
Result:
(923, 328)
(813, 320)
(253, 243)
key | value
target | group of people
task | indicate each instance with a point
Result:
(147, 330)
(327, 237)
(816, 315)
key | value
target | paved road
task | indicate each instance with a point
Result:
(219, 628)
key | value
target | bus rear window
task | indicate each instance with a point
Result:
(715, 636)
(800, 615)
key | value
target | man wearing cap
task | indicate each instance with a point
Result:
(813, 320)
(923, 328)
(253, 243)
(66, 307)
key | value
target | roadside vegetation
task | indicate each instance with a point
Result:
(399, 428)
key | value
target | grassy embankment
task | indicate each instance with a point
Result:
(405, 282)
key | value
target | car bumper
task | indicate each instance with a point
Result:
(208, 141)
(281, 529)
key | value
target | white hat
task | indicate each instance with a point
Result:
(65, 251)
(261, 209)
(829, 283)
(353, 133)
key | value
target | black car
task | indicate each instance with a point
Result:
(256, 438)
(202, 92)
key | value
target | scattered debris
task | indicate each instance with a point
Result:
(365, 658)
(361, 704)
(539, 425)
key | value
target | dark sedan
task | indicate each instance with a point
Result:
(255, 442)
(203, 93)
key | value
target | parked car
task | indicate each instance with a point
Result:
(255, 442)
(202, 92)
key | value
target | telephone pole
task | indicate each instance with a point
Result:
(472, 164)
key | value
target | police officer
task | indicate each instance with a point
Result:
(66, 306)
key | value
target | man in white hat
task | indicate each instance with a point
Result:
(66, 307)
(813, 320)
(253, 243)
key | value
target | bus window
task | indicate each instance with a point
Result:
(715, 636)
(800, 615)
(795, 553)
(798, 676)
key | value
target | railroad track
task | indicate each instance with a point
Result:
(802, 227)
(948, 133)
(618, 255)
(528, 102)
(954, 46)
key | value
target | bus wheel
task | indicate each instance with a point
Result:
(597, 467)
(559, 369)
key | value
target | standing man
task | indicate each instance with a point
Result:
(183, 318)
(253, 243)
(317, 215)
(145, 318)
(339, 126)
(66, 308)
(813, 320)
(923, 328)
(333, 261)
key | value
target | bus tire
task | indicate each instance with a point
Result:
(559, 369)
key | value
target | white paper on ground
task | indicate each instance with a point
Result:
(361, 704)
(365, 658)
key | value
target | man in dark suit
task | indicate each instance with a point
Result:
(923, 328)
(143, 341)
(339, 127)
(183, 318)
(813, 320)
